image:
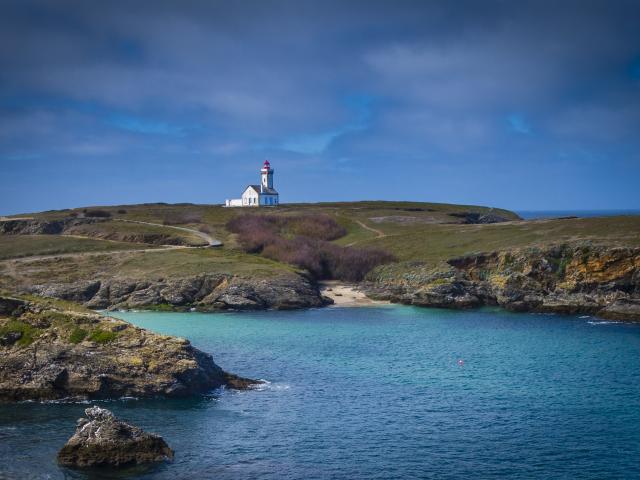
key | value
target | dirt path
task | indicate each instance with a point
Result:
(379, 233)
(212, 242)
(35, 258)
(206, 237)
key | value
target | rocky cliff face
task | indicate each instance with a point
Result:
(50, 352)
(203, 292)
(589, 279)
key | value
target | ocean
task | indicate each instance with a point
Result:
(539, 214)
(388, 392)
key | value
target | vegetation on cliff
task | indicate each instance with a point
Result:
(273, 253)
(304, 241)
(52, 349)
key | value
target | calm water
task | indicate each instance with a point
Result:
(370, 393)
(535, 214)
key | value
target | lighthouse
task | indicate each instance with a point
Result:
(263, 195)
(266, 174)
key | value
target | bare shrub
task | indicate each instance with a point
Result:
(303, 241)
(97, 213)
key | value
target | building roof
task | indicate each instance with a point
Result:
(267, 191)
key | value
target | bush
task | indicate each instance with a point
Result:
(26, 332)
(122, 211)
(303, 241)
(97, 213)
(77, 335)
(102, 336)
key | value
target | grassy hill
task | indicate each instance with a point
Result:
(427, 233)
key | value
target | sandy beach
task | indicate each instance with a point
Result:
(346, 295)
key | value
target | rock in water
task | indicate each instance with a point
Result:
(103, 440)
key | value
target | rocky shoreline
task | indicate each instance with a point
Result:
(52, 351)
(213, 292)
(568, 279)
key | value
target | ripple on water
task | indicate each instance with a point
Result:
(373, 393)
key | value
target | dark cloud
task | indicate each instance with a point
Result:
(470, 84)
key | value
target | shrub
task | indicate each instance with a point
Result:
(77, 335)
(27, 332)
(102, 336)
(303, 241)
(122, 211)
(97, 213)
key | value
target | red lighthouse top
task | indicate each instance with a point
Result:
(266, 163)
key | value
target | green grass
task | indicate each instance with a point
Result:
(435, 244)
(214, 217)
(416, 233)
(28, 332)
(137, 233)
(102, 336)
(77, 335)
(16, 246)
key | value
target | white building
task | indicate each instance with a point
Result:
(263, 195)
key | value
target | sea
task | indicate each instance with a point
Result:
(381, 392)
(542, 214)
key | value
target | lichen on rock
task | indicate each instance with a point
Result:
(571, 279)
(61, 351)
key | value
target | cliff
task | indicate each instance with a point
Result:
(589, 279)
(202, 292)
(55, 350)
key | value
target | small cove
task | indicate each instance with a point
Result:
(379, 392)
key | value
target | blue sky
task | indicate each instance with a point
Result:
(521, 105)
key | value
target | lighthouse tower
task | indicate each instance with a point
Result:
(266, 174)
(263, 195)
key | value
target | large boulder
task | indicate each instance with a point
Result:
(103, 440)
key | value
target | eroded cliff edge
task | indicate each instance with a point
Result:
(209, 292)
(53, 350)
(587, 279)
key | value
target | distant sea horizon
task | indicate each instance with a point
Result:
(535, 214)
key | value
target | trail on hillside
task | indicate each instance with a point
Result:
(34, 258)
(206, 237)
(379, 233)
(211, 242)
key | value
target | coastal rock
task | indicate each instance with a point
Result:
(203, 292)
(103, 440)
(569, 279)
(623, 309)
(50, 352)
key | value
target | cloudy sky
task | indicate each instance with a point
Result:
(522, 105)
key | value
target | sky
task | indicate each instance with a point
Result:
(529, 105)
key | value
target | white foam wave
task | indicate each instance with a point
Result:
(267, 385)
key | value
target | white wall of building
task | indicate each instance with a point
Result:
(250, 198)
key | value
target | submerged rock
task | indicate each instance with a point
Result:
(103, 440)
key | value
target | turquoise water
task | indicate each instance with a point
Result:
(366, 393)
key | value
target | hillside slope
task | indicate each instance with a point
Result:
(119, 270)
